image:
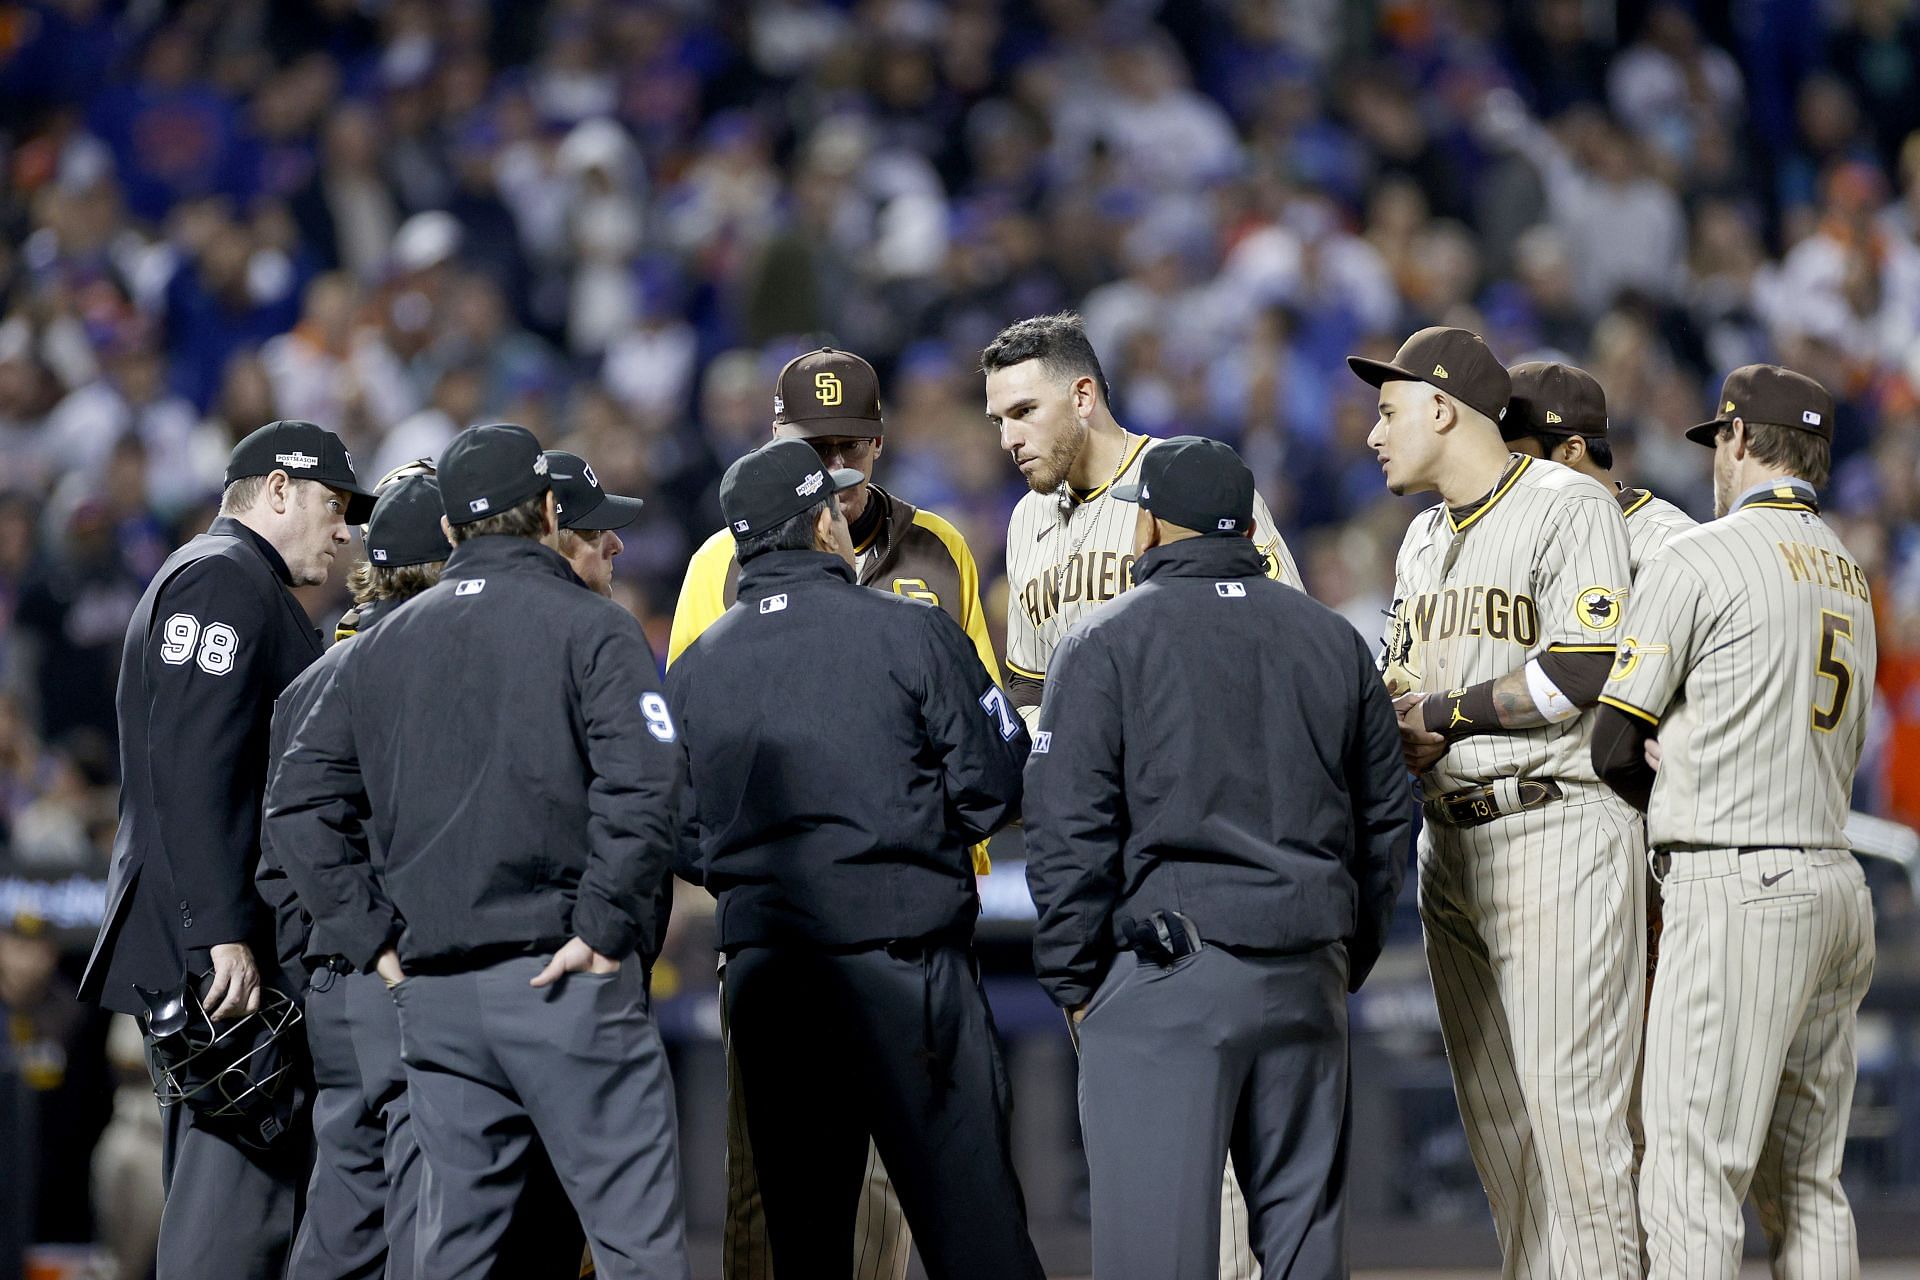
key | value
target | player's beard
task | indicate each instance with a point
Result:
(1058, 462)
(1723, 494)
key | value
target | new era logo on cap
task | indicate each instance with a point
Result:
(299, 461)
(1552, 416)
(1439, 371)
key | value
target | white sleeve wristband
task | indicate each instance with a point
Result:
(1547, 698)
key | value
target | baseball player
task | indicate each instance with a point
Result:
(1747, 662)
(1507, 604)
(831, 399)
(1070, 546)
(1559, 413)
(217, 636)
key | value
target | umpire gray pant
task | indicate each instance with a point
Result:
(365, 1189)
(492, 1060)
(1211, 1056)
(230, 1213)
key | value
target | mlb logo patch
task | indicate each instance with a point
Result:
(470, 587)
(1230, 590)
(1809, 417)
(479, 504)
(1043, 742)
(774, 604)
(739, 526)
(380, 555)
(1225, 523)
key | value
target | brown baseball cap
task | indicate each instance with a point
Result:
(828, 393)
(1554, 399)
(1769, 394)
(1456, 361)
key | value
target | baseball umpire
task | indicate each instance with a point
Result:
(518, 871)
(845, 886)
(215, 639)
(1750, 652)
(1206, 905)
(831, 399)
(590, 519)
(1507, 606)
(365, 1186)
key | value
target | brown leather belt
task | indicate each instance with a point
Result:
(1477, 806)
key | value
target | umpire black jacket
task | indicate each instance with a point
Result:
(215, 639)
(1218, 744)
(300, 944)
(505, 731)
(846, 747)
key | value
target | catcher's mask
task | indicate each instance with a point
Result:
(238, 1075)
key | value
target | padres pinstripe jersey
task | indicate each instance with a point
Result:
(1542, 565)
(1063, 562)
(1751, 645)
(1651, 524)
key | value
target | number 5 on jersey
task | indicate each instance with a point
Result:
(1834, 627)
(212, 647)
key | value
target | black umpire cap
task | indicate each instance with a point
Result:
(580, 500)
(776, 482)
(1554, 399)
(1196, 483)
(829, 393)
(1767, 393)
(1456, 361)
(405, 527)
(305, 451)
(491, 469)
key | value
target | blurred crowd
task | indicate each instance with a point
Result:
(613, 220)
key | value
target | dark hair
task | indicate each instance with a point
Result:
(369, 582)
(1059, 342)
(795, 533)
(527, 519)
(1796, 452)
(1600, 450)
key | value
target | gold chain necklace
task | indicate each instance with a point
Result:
(1068, 506)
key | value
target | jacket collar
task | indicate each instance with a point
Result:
(896, 519)
(774, 570)
(506, 554)
(1202, 558)
(228, 527)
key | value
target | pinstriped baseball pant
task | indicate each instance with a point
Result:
(1764, 959)
(1536, 942)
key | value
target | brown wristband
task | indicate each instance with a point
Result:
(1461, 713)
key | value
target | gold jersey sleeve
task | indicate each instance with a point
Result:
(703, 593)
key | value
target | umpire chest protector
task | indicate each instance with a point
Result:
(215, 639)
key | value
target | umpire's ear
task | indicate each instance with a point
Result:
(446, 527)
